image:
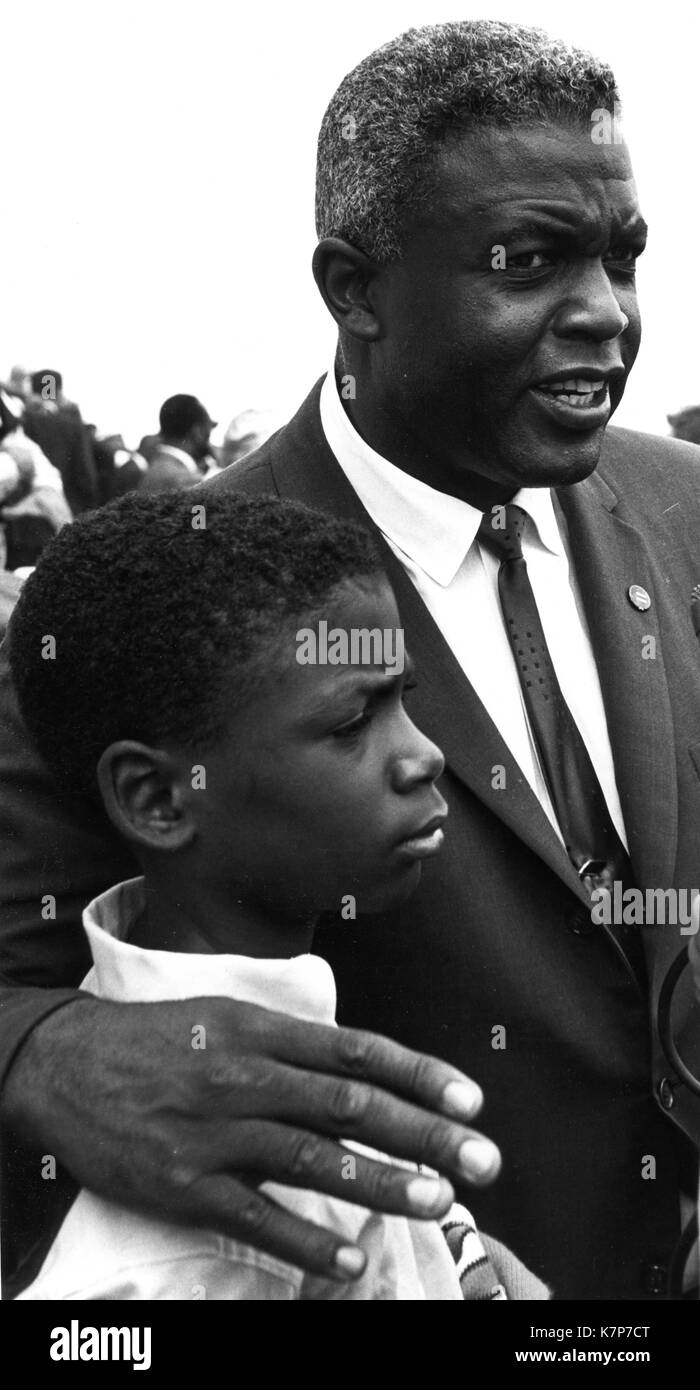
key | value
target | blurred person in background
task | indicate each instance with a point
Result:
(19, 382)
(10, 589)
(33, 507)
(181, 457)
(149, 446)
(246, 433)
(118, 469)
(685, 424)
(56, 425)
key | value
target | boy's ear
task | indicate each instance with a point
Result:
(144, 791)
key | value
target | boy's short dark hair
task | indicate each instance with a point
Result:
(153, 603)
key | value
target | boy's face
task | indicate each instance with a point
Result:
(323, 786)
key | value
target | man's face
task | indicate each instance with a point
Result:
(199, 440)
(506, 377)
(323, 783)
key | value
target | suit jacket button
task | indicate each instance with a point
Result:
(664, 1091)
(653, 1278)
(581, 923)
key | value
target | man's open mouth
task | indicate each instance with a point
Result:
(579, 392)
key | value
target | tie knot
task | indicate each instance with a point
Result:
(501, 531)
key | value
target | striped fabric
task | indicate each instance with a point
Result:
(488, 1271)
(477, 1275)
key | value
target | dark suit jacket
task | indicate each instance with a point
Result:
(499, 931)
(65, 441)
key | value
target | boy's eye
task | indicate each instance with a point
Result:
(623, 256)
(362, 720)
(354, 726)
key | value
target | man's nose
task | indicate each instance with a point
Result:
(416, 760)
(592, 309)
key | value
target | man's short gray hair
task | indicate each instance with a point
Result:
(381, 130)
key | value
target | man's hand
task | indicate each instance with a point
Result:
(136, 1108)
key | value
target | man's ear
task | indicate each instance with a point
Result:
(145, 793)
(346, 278)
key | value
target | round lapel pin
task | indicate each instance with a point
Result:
(638, 597)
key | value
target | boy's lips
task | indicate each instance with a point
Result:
(424, 841)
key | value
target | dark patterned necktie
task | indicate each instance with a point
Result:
(591, 840)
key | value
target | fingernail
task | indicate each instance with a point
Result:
(424, 1194)
(478, 1158)
(350, 1259)
(462, 1099)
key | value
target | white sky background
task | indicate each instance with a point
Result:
(156, 190)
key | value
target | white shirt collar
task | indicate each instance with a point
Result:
(431, 528)
(181, 455)
(302, 986)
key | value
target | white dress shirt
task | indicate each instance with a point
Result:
(103, 1251)
(434, 536)
(180, 455)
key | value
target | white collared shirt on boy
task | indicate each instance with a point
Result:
(104, 1251)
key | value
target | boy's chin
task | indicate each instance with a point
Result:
(390, 895)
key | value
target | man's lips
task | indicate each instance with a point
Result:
(576, 390)
(578, 398)
(582, 375)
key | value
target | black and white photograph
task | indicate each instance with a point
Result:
(350, 667)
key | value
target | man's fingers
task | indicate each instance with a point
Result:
(352, 1109)
(424, 1080)
(353, 1052)
(220, 1203)
(298, 1158)
(241, 1031)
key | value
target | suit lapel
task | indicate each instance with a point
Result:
(445, 704)
(609, 556)
(447, 708)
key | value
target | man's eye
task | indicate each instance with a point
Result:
(528, 260)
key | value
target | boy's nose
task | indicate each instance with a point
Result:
(420, 760)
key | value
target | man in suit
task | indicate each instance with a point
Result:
(685, 424)
(56, 425)
(477, 250)
(185, 427)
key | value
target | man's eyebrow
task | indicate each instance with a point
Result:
(559, 224)
(531, 216)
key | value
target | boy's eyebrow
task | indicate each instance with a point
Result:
(378, 678)
(371, 681)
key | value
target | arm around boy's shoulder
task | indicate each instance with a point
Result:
(56, 852)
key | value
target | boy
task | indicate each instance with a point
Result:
(157, 652)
